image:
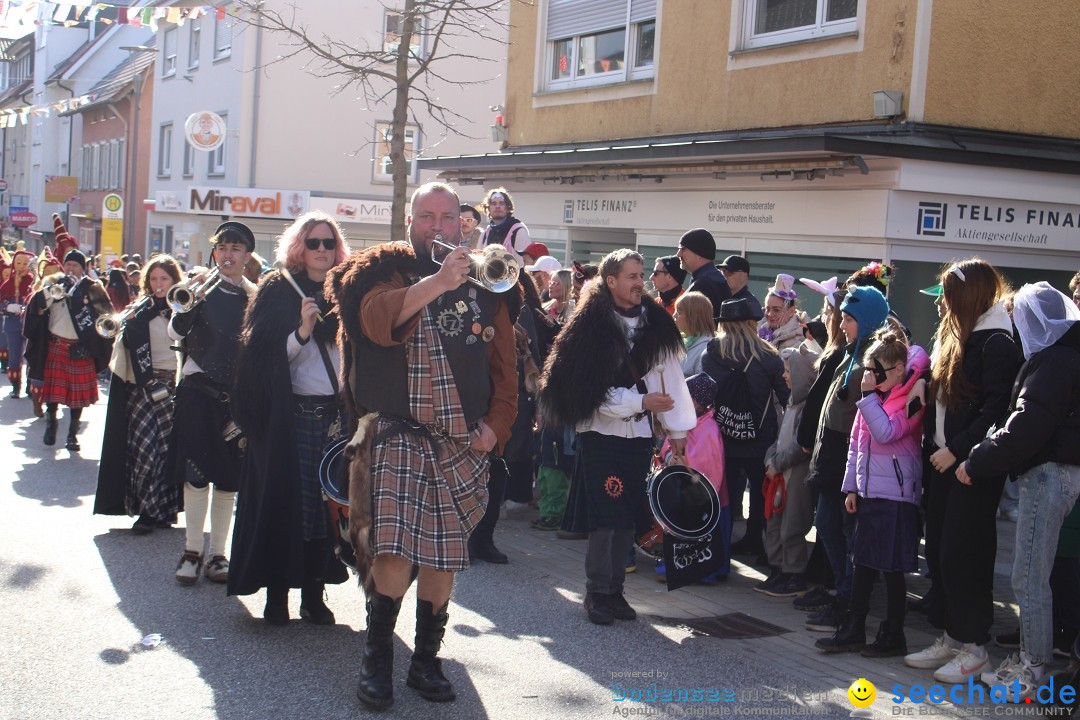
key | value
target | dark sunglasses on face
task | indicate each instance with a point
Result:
(313, 243)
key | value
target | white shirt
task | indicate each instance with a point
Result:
(306, 367)
(60, 323)
(615, 416)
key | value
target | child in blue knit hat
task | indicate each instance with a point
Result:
(864, 310)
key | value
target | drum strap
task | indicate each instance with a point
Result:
(328, 365)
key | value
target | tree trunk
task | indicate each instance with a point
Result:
(399, 121)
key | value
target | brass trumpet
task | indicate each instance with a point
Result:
(494, 268)
(109, 326)
(56, 290)
(184, 296)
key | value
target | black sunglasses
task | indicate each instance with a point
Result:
(313, 243)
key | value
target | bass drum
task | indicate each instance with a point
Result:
(684, 502)
(334, 479)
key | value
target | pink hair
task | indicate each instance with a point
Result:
(290, 245)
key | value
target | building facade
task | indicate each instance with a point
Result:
(295, 140)
(810, 136)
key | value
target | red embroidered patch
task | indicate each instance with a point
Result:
(613, 486)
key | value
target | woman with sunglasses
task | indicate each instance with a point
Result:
(287, 403)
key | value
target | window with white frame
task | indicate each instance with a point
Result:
(189, 159)
(775, 22)
(116, 164)
(223, 37)
(392, 28)
(164, 165)
(216, 162)
(168, 52)
(105, 168)
(598, 42)
(384, 164)
(194, 42)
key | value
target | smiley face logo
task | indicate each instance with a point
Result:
(862, 693)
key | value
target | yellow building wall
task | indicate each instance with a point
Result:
(695, 90)
(993, 64)
(1011, 66)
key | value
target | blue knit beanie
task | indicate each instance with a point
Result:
(870, 309)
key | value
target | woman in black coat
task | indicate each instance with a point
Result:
(973, 366)
(737, 348)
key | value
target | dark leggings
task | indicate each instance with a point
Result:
(862, 584)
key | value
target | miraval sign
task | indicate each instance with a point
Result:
(244, 202)
(983, 221)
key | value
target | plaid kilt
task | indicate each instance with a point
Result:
(429, 494)
(150, 491)
(312, 437)
(69, 381)
(613, 471)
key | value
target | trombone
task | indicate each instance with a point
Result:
(184, 296)
(109, 326)
(494, 267)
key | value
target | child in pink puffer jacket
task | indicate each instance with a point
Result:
(884, 486)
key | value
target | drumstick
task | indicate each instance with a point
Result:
(292, 281)
(663, 387)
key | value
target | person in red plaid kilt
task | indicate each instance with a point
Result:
(67, 351)
(431, 358)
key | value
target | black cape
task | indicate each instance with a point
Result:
(268, 538)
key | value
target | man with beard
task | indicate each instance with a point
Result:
(431, 358)
(615, 362)
(65, 349)
(207, 445)
(504, 229)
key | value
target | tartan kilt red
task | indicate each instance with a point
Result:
(68, 381)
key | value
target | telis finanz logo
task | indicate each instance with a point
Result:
(932, 217)
(568, 212)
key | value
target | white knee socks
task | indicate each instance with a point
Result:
(221, 512)
(195, 502)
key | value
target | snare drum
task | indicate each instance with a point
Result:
(684, 502)
(334, 479)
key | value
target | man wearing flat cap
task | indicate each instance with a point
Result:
(206, 445)
(668, 277)
(697, 252)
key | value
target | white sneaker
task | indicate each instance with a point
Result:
(1011, 670)
(961, 667)
(933, 656)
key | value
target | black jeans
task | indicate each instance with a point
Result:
(862, 585)
(484, 532)
(747, 474)
(961, 546)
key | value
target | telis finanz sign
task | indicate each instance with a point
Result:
(983, 221)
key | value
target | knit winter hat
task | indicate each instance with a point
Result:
(702, 389)
(869, 308)
(77, 256)
(700, 242)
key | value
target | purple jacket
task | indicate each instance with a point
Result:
(885, 452)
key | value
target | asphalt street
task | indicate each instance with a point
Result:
(81, 592)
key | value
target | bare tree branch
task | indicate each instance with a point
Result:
(399, 76)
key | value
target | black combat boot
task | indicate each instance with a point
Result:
(51, 425)
(425, 670)
(312, 607)
(276, 611)
(74, 415)
(849, 637)
(890, 641)
(376, 688)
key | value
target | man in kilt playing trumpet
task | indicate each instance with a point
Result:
(431, 359)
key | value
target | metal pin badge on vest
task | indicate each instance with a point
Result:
(489, 333)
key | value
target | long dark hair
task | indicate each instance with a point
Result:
(969, 288)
